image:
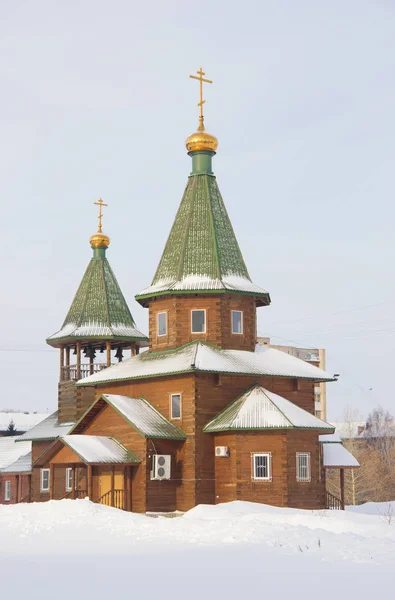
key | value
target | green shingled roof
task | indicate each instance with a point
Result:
(99, 309)
(202, 253)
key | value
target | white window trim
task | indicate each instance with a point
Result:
(157, 323)
(42, 489)
(171, 406)
(298, 477)
(7, 490)
(205, 320)
(269, 463)
(69, 488)
(242, 323)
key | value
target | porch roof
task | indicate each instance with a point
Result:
(258, 409)
(337, 456)
(99, 449)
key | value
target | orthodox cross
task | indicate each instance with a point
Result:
(100, 203)
(200, 104)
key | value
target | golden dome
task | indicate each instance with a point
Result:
(99, 240)
(201, 140)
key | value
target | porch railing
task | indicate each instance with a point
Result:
(333, 502)
(78, 495)
(69, 372)
(114, 498)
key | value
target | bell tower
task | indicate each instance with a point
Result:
(202, 289)
(98, 329)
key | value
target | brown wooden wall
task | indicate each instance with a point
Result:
(218, 321)
(234, 475)
(73, 401)
(20, 487)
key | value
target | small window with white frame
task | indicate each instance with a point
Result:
(7, 491)
(237, 322)
(303, 466)
(162, 324)
(44, 487)
(175, 406)
(262, 467)
(69, 479)
(198, 321)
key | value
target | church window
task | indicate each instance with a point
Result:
(262, 466)
(303, 468)
(198, 321)
(162, 323)
(69, 479)
(7, 491)
(175, 406)
(237, 321)
(45, 480)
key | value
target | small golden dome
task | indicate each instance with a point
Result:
(201, 140)
(99, 240)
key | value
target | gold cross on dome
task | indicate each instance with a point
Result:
(200, 104)
(100, 203)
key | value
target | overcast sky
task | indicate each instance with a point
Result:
(96, 101)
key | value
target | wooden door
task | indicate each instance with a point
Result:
(117, 498)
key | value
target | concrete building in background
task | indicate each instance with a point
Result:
(315, 356)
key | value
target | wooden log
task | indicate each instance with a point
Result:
(90, 482)
(73, 481)
(108, 352)
(112, 484)
(51, 481)
(78, 349)
(342, 488)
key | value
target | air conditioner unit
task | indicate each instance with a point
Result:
(222, 451)
(161, 466)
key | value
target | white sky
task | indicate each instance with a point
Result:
(96, 101)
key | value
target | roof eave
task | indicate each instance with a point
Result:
(263, 298)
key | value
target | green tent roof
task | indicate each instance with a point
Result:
(202, 253)
(99, 309)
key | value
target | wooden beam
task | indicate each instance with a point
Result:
(51, 481)
(17, 488)
(112, 484)
(78, 349)
(90, 482)
(73, 482)
(129, 488)
(108, 352)
(61, 365)
(68, 356)
(342, 488)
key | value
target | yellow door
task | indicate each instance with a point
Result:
(105, 486)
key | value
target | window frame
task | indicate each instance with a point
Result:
(69, 470)
(299, 478)
(42, 489)
(205, 320)
(163, 312)
(7, 490)
(242, 322)
(171, 406)
(268, 456)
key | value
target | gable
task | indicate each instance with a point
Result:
(65, 455)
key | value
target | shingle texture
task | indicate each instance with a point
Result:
(202, 252)
(201, 357)
(145, 417)
(260, 409)
(48, 429)
(10, 451)
(99, 309)
(99, 449)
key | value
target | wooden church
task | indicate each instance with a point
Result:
(193, 413)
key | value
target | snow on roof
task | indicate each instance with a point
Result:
(231, 283)
(95, 329)
(49, 429)
(201, 357)
(145, 417)
(10, 451)
(260, 409)
(22, 465)
(99, 449)
(22, 421)
(330, 438)
(336, 455)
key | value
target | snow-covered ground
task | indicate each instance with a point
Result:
(78, 549)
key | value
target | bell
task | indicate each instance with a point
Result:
(86, 351)
(102, 348)
(119, 354)
(75, 350)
